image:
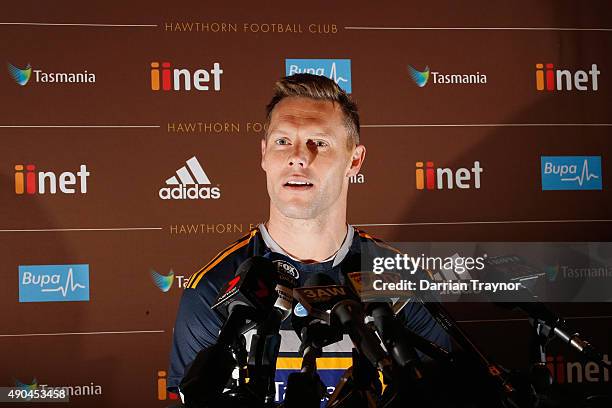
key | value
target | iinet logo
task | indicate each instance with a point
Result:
(551, 79)
(428, 177)
(162, 383)
(41, 182)
(576, 371)
(190, 184)
(177, 79)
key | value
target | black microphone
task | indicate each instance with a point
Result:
(392, 332)
(305, 388)
(265, 343)
(286, 276)
(249, 296)
(198, 385)
(313, 332)
(338, 306)
(486, 367)
(547, 322)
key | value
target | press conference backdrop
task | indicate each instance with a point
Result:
(131, 155)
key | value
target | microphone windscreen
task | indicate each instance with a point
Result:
(319, 279)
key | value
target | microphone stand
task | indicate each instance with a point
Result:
(359, 386)
(304, 388)
(258, 364)
(265, 345)
(540, 376)
(505, 390)
(559, 329)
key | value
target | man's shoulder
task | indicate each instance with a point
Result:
(373, 245)
(224, 264)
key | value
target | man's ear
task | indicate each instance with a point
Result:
(263, 152)
(356, 160)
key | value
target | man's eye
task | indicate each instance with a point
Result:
(282, 142)
(320, 143)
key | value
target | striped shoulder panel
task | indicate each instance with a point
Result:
(377, 241)
(195, 278)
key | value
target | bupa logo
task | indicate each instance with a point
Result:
(571, 172)
(190, 183)
(338, 70)
(53, 283)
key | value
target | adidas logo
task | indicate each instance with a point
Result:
(189, 181)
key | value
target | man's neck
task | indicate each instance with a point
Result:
(307, 240)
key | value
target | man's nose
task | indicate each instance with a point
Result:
(300, 155)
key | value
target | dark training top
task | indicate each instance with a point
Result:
(197, 325)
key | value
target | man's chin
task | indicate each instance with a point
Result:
(298, 212)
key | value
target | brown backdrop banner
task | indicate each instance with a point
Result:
(130, 156)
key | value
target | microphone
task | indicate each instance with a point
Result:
(246, 297)
(383, 306)
(487, 368)
(314, 333)
(265, 343)
(305, 388)
(198, 386)
(393, 334)
(287, 276)
(338, 306)
(546, 321)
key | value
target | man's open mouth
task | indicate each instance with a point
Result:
(298, 184)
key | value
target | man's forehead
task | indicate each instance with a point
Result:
(306, 111)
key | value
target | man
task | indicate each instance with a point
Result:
(310, 150)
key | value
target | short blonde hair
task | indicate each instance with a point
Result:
(319, 88)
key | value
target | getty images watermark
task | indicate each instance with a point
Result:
(491, 271)
(418, 268)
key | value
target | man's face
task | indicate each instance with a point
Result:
(307, 159)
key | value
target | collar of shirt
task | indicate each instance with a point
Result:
(338, 257)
